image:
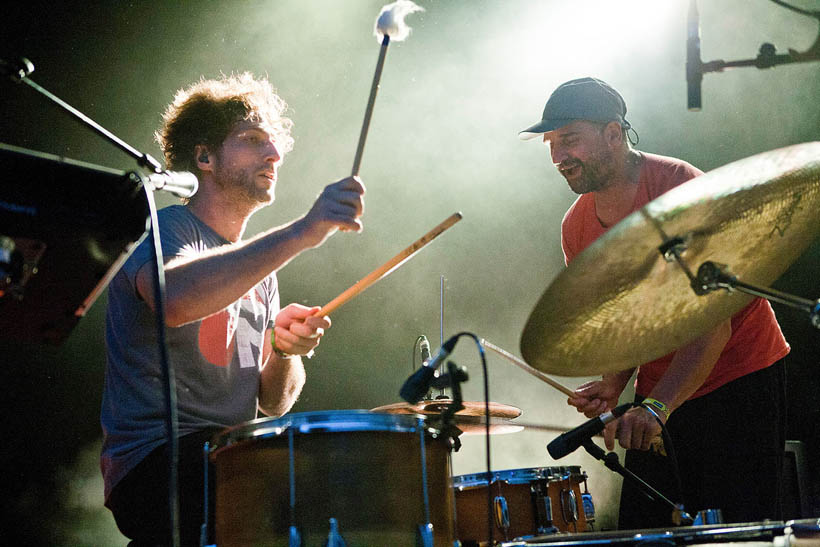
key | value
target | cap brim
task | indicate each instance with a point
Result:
(540, 128)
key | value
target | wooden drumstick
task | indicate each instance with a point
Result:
(657, 442)
(394, 263)
(524, 366)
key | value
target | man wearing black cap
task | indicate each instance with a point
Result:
(710, 392)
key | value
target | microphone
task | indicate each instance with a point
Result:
(180, 183)
(694, 73)
(424, 347)
(570, 441)
(16, 70)
(417, 385)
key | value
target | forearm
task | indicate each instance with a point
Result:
(618, 380)
(690, 366)
(200, 286)
(280, 384)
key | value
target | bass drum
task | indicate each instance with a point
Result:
(365, 478)
(526, 503)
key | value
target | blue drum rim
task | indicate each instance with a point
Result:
(321, 421)
(522, 475)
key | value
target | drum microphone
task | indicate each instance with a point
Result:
(417, 385)
(570, 441)
(694, 73)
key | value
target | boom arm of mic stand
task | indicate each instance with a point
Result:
(767, 56)
(610, 460)
(20, 72)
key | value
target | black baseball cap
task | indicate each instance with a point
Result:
(587, 99)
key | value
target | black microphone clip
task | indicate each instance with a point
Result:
(417, 385)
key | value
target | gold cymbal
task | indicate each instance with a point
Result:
(620, 303)
(470, 420)
(435, 406)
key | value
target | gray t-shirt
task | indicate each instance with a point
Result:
(216, 360)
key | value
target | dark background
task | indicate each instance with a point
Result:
(443, 138)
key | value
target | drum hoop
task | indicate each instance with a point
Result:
(522, 475)
(711, 533)
(323, 421)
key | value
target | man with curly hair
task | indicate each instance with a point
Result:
(234, 351)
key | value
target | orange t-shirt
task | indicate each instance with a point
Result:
(756, 340)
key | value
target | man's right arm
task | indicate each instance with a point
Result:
(199, 286)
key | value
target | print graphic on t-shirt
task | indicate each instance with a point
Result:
(216, 336)
(236, 329)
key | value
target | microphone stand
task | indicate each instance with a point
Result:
(767, 56)
(19, 72)
(610, 460)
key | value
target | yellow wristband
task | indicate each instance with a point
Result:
(654, 404)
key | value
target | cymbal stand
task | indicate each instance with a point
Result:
(712, 276)
(442, 393)
(610, 460)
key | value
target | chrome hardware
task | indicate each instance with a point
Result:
(334, 538)
(502, 513)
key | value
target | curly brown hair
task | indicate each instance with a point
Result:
(205, 112)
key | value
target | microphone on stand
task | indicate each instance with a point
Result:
(419, 382)
(571, 440)
(180, 183)
(694, 73)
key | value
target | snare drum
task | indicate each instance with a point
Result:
(378, 476)
(526, 503)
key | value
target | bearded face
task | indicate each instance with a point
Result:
(246, 165)
(589, 175)
(580, 152)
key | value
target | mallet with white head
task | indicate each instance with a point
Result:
(390, 25)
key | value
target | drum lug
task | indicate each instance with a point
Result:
(543, 510)
(589, 507)
(502, 513)
(334, 538)
(569, 505)
(424, 535)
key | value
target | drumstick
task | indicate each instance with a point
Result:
(524, 366)
(390, 23)
(385, 269)
(657, 442)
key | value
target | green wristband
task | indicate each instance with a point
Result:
(276, 350)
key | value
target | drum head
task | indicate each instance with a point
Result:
(326, 421)
(511, 476)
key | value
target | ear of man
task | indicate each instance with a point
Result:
(614, 134)
(202, 157)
